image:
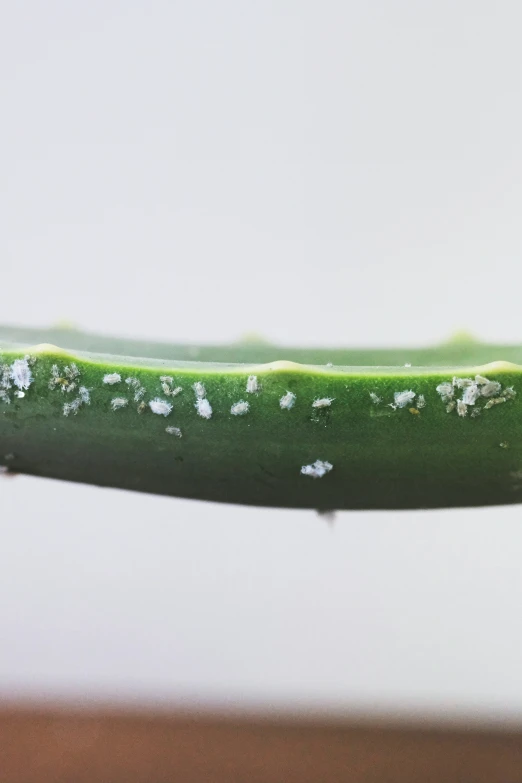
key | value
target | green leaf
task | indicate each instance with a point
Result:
(258, 424)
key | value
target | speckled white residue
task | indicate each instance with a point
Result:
(64, 379)
(72, 407)
(240, 408)
(324, 402)
(252, 385)
(421, 401)
(317, 470)
(161, 407)
(21, 373)
(403, 398)
(203, 408)
(5, 383)
(83, 398)
(451, 406)
(174, 431)
(85, 395)
(5, 376)
(287, 401)
(111, 378)
(119, 402)
(375, 398)
(199, 390)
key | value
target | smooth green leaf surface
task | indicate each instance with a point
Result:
(257, 424)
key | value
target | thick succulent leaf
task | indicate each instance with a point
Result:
(257, 424)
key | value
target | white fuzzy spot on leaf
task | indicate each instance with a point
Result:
(161, 407)
(119, 402)
(287, 401)
(21, 373)
(111, 378)
(203, 408)
(317, 470)
(252, 385)
(240, 408)
(324, 402)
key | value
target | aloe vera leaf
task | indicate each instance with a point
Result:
(317, 428)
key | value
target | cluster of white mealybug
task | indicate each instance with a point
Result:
(137, 388)
(82, 398)
(202, 405)
(402, 399)
(472, 391)
(67, 380)
(242, 406)
(168, 388)
(462, 395)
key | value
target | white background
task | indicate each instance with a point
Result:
(317, 172)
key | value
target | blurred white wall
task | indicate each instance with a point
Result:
(319, 172)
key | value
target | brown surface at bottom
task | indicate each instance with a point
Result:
(112, 747)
